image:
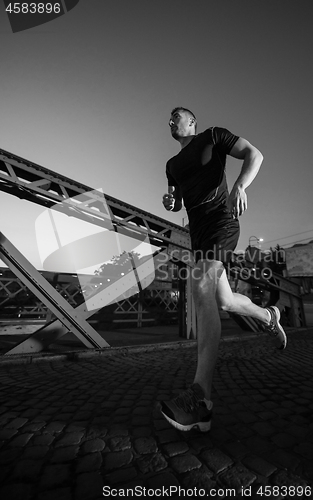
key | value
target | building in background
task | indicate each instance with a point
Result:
(299, 267)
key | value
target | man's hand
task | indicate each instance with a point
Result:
(237, 201)
(169, 199)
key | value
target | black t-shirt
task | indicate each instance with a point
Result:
(199, 168)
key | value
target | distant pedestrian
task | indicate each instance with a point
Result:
(196, 175)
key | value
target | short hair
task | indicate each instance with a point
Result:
(186, 110)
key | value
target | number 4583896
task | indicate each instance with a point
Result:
(290, 491)
(32, 8)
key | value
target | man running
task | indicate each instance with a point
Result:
(196, 175)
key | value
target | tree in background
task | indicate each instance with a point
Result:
(119, 265)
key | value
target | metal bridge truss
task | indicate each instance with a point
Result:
(29, 181)
(14, 290)
(135, 309)
(37, 184)
(142, 310)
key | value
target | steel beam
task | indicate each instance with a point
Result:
(70, 318)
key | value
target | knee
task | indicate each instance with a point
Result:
(205, 280)
(202, 290)
(226, 306)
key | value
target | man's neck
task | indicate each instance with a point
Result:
(184, 141)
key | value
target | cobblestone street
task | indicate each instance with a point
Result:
(71, 427)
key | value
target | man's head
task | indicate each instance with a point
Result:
(183, 123)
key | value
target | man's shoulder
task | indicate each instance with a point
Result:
(206, 135)
(206, 131)
(170, 162)
(211, 131)
(215, 129)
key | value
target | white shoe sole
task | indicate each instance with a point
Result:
(201, 426)
(282, 344)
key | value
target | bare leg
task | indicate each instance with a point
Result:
(237, 303)
(205, 280)
(211, 290)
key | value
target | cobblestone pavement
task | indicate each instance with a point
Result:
(71, 428)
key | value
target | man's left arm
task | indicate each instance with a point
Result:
(252, 160)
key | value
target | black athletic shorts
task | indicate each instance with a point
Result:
(214, 233)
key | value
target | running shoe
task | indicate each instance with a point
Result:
(188, 410)
(275, 329)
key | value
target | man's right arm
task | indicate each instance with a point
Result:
(172, 200)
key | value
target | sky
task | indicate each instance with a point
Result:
(89, 96)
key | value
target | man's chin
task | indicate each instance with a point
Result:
(175, 135)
